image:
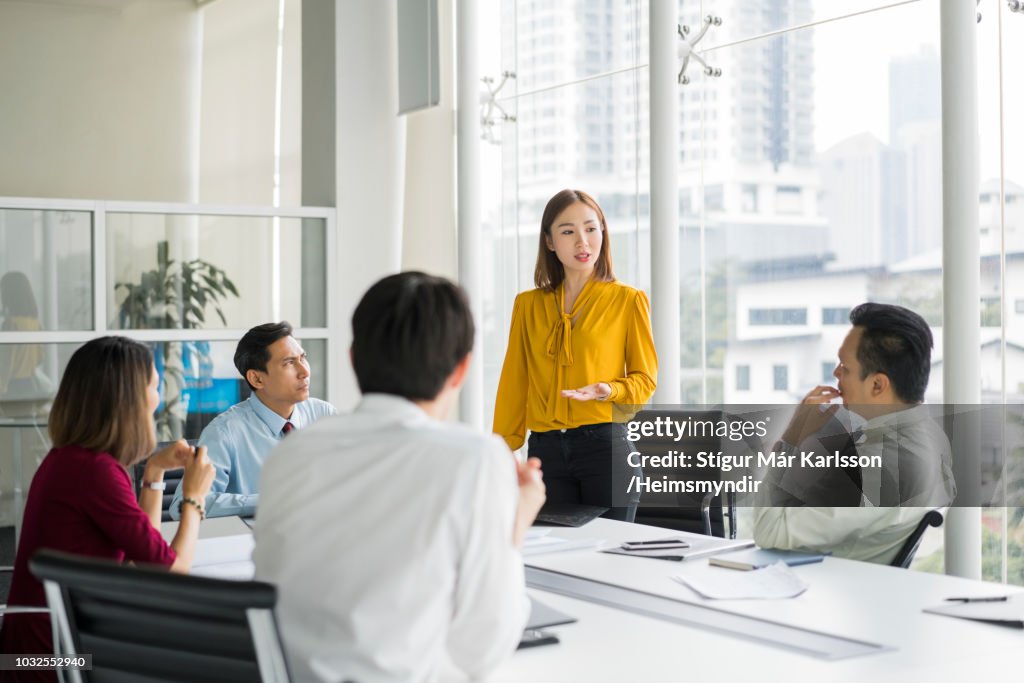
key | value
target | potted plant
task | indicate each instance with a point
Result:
(176, 295)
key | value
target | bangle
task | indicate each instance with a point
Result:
(155, 485)
(199, 506)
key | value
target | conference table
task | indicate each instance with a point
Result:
(860, 601)
(875, 608)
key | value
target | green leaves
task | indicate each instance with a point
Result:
(174, 296)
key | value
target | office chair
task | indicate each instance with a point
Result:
(171, 477)
(696, 513)
(152, 626)
(909, 549)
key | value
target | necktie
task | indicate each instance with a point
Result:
(288, 426)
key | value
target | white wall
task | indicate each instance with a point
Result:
(95, 99)
(429, 225)
(238, 92)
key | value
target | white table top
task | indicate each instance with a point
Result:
(853, 599)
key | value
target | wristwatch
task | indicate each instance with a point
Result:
(155, 485)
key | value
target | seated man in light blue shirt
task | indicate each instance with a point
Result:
(239, 439)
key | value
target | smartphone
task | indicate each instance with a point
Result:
(663, 544)
(535, 637)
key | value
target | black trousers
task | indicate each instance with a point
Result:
(588, 465)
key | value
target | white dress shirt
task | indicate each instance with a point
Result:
(389, 536)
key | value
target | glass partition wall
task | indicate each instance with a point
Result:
(186, 280)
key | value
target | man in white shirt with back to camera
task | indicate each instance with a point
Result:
(394, 537)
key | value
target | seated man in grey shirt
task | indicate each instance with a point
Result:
(238, 440)
(862, 512)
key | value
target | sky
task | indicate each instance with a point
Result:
(851, 76)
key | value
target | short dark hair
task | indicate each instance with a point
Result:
(101, 403)
(897, 342)
(252, 352)
(549, 272)
(409, 332)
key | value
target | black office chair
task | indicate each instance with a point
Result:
(150, 626)
(171, 477)
(696, 513)
(906, 554)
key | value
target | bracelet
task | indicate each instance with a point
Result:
(155, 485)
(199, 506)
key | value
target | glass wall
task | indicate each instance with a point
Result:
(1001, 223)
(45, 271)
(579, 103)
(186, 281)
(246, 269)
(810, 180)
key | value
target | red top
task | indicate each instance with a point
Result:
(80, 502)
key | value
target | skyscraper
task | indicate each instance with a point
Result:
(746, 138)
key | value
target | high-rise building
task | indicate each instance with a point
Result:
(853, 200)
(915, 138)
(915, 93)
(746, 139)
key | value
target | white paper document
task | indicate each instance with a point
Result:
(223, 550)
(243, 570)
(774, 582)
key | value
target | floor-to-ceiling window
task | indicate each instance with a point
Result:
(810, 180)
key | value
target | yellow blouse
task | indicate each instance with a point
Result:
(606, 337)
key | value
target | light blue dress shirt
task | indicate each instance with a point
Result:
(237, 442)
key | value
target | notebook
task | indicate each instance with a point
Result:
(758, 558)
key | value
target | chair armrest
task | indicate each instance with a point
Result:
(705, 512)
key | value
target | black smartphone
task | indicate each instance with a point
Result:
(663, 544)
(534, 637)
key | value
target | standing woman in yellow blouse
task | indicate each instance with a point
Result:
(579, 342)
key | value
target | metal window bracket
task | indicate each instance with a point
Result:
(491, 111)
(686, 49)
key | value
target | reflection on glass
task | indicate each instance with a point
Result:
(24, 411)
(45, 270)
(27, 383)
(198, 381)
(208, 272)
(22, 380)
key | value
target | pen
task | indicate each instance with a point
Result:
(995, 598)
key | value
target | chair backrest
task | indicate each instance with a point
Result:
(906, 553)
(698, 513)
(151, 626)
(171, 477)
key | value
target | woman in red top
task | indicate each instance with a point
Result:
(82, 500)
